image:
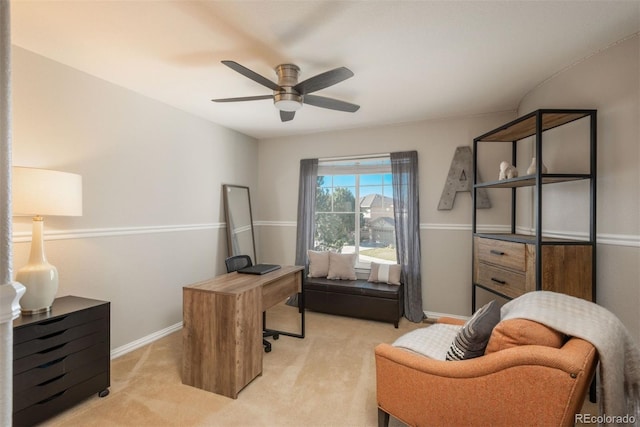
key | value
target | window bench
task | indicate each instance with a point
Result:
(355, 298)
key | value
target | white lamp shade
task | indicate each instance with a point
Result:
(46, 192)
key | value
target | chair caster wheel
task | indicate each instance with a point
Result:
(276, 336)
(104, 393)
(267, 349)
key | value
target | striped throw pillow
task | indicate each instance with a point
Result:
(472, 339)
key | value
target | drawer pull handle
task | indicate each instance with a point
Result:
(48, 350)
(51, 380)
(50, 398)
(53, 362)
(498, 281)
(496, 252)
(55, 334)
(56, 320)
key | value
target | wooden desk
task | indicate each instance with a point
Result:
(222, 327)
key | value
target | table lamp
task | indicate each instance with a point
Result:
(38, 192)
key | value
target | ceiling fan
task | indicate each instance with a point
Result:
(289, 95)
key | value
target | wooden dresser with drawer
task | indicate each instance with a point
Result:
(508, 268)
(60, 358)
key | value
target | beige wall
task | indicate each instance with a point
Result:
(152, 176)
(445, 235)
(609, 82)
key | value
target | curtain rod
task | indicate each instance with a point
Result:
(362, 156)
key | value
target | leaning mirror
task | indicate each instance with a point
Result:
(237, 211)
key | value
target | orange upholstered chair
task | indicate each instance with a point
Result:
(530, 375)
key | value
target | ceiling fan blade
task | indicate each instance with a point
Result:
(330, 103)
(252, 75)
(286, 116)
(244, 98)
(321, 81)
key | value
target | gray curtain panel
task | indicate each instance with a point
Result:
(306, 214)
(406, 210)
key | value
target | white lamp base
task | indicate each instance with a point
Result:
(41, 283)
(38, 277)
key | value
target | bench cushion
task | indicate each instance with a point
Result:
(353, 287)
(355, 298)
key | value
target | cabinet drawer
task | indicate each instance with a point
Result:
(50, 326)
(59, 384)
(509, 282)
(62, 350)
(501, 253)
(59, 366)
(60, 401)
(46, 343)
(274, 292)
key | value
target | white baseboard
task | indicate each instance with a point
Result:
(134, 345)
(435, 315)
(127, 348)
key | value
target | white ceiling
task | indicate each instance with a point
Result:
(412, 60)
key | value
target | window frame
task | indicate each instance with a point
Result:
(357, 166)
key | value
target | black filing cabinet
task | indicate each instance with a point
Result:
(60, 358)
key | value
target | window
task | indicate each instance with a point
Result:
(354, 209)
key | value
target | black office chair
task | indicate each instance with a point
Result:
(235, 263)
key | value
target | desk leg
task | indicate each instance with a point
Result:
(301, 311)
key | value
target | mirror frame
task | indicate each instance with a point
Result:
(227, 215)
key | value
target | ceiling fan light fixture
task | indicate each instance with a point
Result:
(287, 102)
(286, 105)
(289, 94)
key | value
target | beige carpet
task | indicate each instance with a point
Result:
(326, 379)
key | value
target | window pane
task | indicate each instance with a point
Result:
(344, 180)
(344, 199)
(378, 243)
(371, 179)
(324, 181)
(323, 199)
(370, 189)
(334, 232)
(338, 214)
(377, 234)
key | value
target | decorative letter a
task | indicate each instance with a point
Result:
(460, 178)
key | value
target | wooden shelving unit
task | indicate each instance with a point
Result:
(510, 264)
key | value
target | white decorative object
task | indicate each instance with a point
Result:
(507, 171)
(532, 167)
(37, 192)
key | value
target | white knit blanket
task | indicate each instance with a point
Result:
(619, 391)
